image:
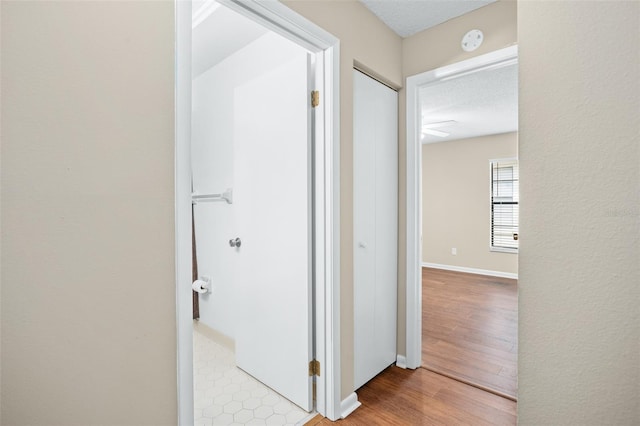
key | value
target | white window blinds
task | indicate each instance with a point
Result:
(504, 205)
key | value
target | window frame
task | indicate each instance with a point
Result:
(492, 248)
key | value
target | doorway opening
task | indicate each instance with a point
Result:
(463, 218)
(251, 164)
(255, 157)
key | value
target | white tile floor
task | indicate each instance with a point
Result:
(226, 395)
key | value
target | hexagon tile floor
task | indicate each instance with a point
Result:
(226, 395)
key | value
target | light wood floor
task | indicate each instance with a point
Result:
(420, 397)
(469, 328)
(469, 335)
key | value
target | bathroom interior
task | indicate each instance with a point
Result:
(242, 171)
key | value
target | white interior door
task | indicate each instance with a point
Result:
(375, 226)
(272, 198)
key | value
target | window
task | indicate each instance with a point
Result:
(504, 205)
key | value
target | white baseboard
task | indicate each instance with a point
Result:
(214, 335)
(470, 270)
(349, 405)
(401, 361)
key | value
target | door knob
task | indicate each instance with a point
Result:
(235, 243)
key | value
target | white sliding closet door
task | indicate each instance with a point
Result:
(375, 223)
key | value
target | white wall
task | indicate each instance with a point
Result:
(455, 202)
(579, 324)
(213, 171)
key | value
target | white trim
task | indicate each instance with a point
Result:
(401, 361)
(495, 59)
(182, 182)
(502, 249)
(349, 405)
(414, 230)
(471, 270)
(331, 363)
(279, 18)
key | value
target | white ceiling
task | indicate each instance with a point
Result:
(407, 17)
(221, 33)
(482, 103)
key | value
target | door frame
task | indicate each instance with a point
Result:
(495, 59)
(284, 21)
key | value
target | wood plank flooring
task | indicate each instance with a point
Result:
(469, 335)
(421, 397)
(469, 329)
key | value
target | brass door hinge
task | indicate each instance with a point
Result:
(313, 393)
(315, 98)
(314, 368)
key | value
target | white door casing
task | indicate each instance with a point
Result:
(184, 322)
(496, 59)
(276, 16)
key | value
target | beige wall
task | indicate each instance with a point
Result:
(364, 40)
(440, 45)
(88, 280)
(579, 357)
(455, 202)
(428, 50)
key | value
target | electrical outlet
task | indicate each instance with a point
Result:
(454, 251)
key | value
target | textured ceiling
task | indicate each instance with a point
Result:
(407, 17)
(482, 103)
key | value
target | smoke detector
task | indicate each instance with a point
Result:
(472, 40)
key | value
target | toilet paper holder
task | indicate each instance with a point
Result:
(202, 285)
